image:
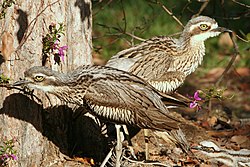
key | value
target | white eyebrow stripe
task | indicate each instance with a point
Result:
(40, 74)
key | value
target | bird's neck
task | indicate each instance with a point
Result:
(191, 42)
(68, 95)
(191, 52)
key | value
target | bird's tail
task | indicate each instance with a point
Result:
(172, 102)
(177, 137)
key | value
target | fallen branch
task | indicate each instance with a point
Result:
(146, 163)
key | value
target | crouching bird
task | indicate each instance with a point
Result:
(113, 95)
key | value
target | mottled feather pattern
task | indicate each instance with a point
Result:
(164, 58)
(112, 94)
(158, 57)
(155, 44)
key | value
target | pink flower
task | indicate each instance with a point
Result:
(55, 45)
(195, 99)
(4, 157)
(61, 51)
(13, 156)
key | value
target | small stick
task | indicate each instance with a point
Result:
(236, 53)
(171, 14)
(146, 163)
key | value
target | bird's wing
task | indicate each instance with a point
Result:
(153, 61)
(130, 103)
(157, 68)
(125, 59)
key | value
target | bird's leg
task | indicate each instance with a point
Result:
(126, 134)
(146, 143)
(118, 145)
(130, 146)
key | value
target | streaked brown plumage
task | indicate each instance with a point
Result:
(165, 62)
(114, 95)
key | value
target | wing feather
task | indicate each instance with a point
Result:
(141, 104)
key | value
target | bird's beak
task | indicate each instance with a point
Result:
(21, 82)
(222, 29)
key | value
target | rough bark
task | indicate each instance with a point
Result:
(45, 132)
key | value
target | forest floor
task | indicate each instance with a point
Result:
(225, 122)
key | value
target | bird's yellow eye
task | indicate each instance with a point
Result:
(39, 78)
(203, 27)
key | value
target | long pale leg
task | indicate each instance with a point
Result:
(118, 146)
(130, 146)
(120, 139)
(146, 137)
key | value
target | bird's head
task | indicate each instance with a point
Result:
(42, 78)
(201, 28)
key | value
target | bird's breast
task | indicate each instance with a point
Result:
(166, 86)
(189, 61)
(117, 115)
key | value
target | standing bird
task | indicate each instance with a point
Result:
(165, 62)
(112, 94)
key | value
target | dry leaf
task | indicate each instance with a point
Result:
(7, 45)
(85, 160)
(244, 71)
(212, 121)
(239, 139)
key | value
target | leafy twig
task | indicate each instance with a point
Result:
(7, 152)
(51, 44)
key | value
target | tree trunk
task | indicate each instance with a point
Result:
(47, 131)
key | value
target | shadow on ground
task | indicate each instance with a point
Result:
(71, 131)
